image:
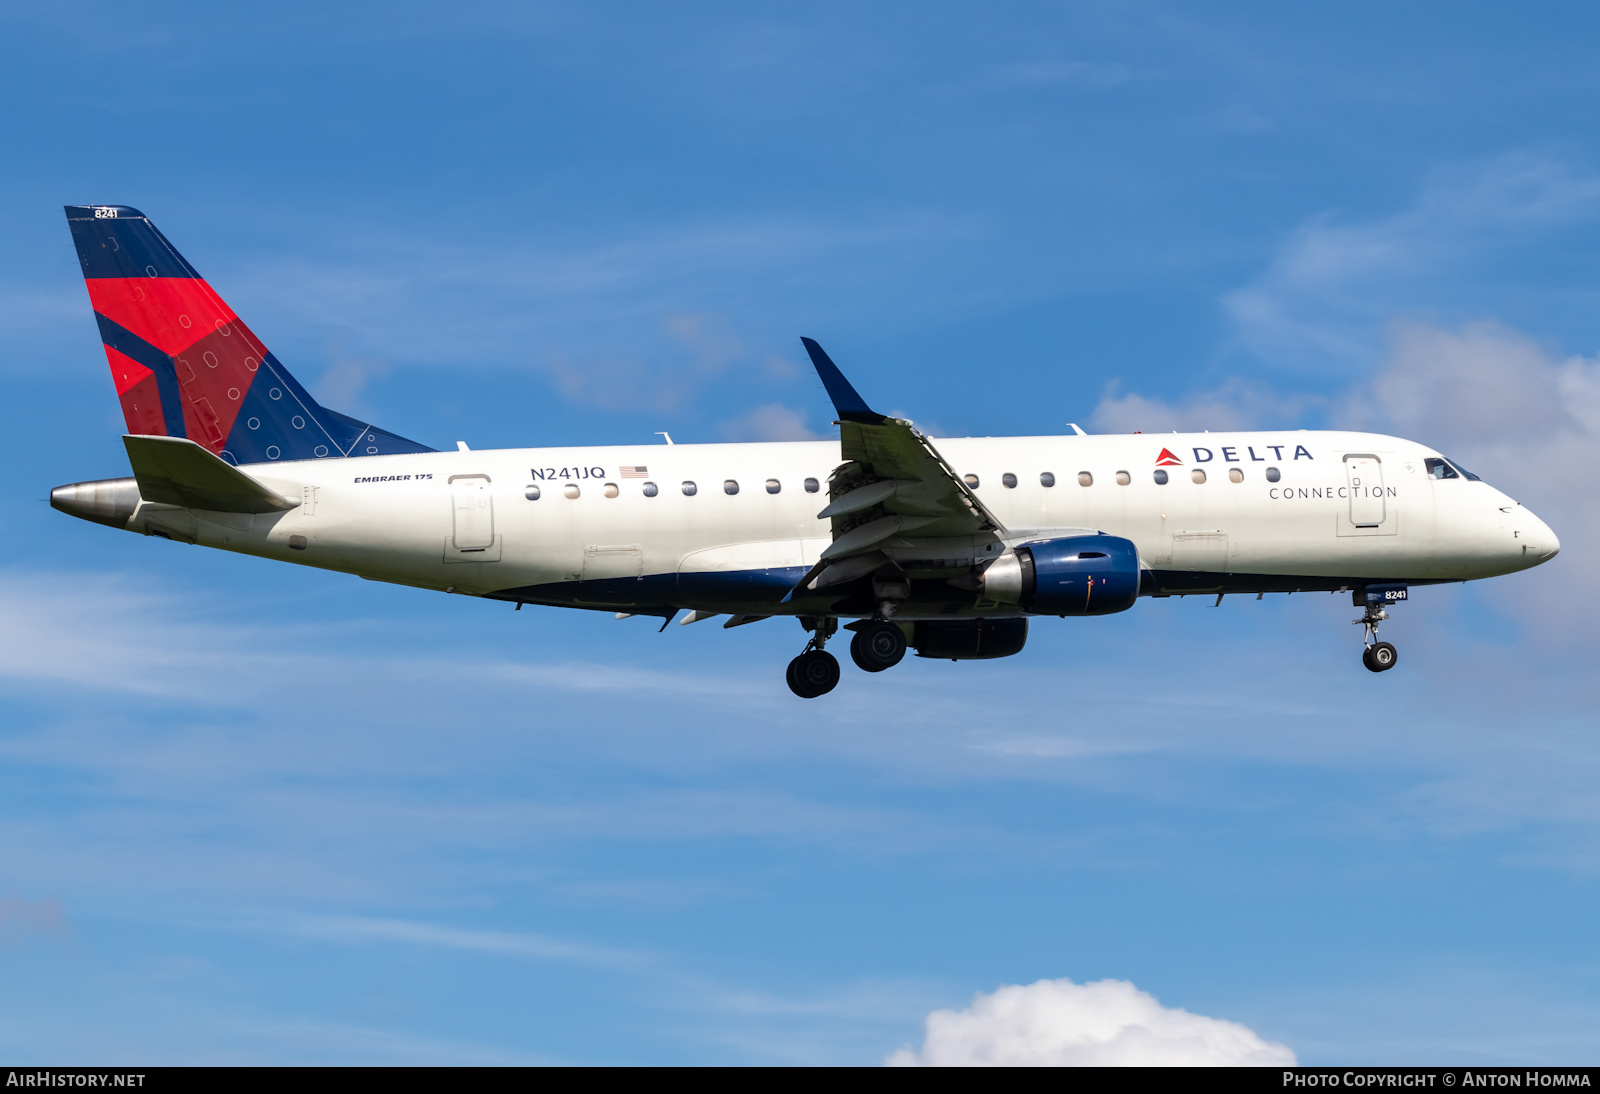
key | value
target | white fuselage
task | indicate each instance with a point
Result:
(1344, 506)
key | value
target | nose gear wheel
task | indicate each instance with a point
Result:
(1380, 657)
(1377, 656)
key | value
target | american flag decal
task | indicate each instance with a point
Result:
(639, 472)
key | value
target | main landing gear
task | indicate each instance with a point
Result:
(816, 671)
(877, 644)
(1377, 656)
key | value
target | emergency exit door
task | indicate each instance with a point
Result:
(474, 513)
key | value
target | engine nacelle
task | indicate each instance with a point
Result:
(1078, 575)
(969, 639)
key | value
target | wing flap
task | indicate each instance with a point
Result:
(879, 450)
(894, 497)
(927, 487)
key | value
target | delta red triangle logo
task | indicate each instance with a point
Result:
(1167, 459)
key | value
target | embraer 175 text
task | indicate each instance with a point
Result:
(947, 547)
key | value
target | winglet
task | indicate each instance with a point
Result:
(850, 405)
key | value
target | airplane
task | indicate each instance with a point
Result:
(946, 546)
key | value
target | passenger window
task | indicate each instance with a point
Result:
(1273, 474)
(970, 480)
(610, 490)
(1197, 475)
(729, 486)
(1009, 481)
(1235, 475)
(649, 489)
(571, 491)
(1123, 478)
(773, 486)
(531, 493)
(812, 486)
(1160, 477)
(689, 489)
(1046, 479)
(1085, 479)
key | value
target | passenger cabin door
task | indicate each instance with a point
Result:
(474, 513)
(1363, 473)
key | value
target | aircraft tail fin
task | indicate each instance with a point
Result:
(185, 365)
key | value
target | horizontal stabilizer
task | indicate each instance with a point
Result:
(177, 471)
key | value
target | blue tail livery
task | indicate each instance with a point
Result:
(185, 365)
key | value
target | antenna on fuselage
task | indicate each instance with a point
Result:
(668, 436)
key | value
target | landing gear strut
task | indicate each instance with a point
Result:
(815, 672)
(1377, 656)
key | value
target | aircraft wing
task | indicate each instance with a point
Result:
(893, 490)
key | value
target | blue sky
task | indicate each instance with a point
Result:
(254, 813)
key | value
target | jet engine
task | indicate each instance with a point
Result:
(1077, 575)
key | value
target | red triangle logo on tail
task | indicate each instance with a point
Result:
(1167, 459)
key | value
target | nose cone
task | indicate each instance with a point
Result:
(1538, 542)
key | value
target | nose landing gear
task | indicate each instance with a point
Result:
(815, 672)
(1377, 656)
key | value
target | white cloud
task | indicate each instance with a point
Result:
(1323, 300)
(355, 929)
(1521, 415)
(343, 383)
(1480, 382)
(772, 422)
(1235, 405)
(563, 300)
(112, 632)
(1109, 1023)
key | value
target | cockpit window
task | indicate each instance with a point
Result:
(1445, 469)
